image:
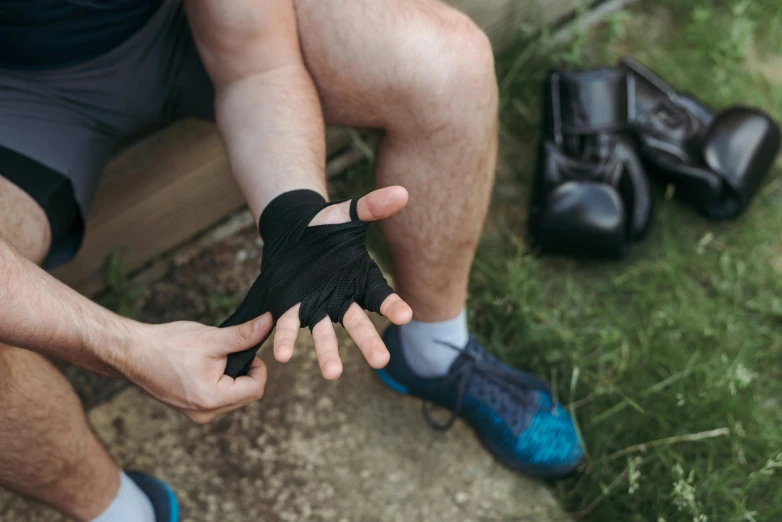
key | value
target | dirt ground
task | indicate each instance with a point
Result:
(348, 450)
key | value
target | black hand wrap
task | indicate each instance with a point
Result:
(325, 268)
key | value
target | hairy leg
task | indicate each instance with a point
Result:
(47, 450)
(424, 73)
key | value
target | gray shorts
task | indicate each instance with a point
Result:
(58, 127)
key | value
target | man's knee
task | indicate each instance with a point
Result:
(452, 81)
(23, 223)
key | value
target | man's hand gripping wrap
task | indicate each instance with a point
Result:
(325, 268)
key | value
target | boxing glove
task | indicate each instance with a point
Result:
(590, 194)
(716, 162)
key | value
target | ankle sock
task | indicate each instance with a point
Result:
(130, 504)
(426, 357)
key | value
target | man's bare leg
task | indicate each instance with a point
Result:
(424, 73)
(47, 450)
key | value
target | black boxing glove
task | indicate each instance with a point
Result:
(590, 192)
(325, 268)
(716, 162)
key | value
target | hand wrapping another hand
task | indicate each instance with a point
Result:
(182, 364)
(316, 270)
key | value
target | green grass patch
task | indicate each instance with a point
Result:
(120, 293)
(671, 360)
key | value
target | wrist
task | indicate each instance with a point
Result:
(283, 206)
(115, 344)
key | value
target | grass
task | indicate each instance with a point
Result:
(672, 359)
(681, 343)
(120, 292)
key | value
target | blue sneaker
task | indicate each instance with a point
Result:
(160, 494)
(512, 412)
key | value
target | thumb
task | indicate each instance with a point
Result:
(381, 203)
(378, 204)
(243, 336)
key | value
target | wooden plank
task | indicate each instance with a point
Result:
(155, 194)
(166, 188)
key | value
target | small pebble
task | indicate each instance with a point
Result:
(461, 497)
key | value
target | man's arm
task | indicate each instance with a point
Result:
(180, 364)
(266, 104)
(271, 122)
(39, 313)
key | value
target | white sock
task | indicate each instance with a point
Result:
(130, 505)
(426, 357)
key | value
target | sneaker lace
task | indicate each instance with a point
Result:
(515, 385)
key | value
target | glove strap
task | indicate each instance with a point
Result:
(589, 102)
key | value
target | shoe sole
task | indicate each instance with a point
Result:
(532, 471)
(173, 503)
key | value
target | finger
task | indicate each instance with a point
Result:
(327, 349)
(286, 333)
(233, 393)
(200, 417)
(247, 388)
(379, 204)
(243, 336)
(396, 310)
(205, 417)
(364, 334)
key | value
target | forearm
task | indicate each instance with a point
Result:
(273, 130)
(41, 314)
(266, 104)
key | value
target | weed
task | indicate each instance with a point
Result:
(221, 306)
(120, 294)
